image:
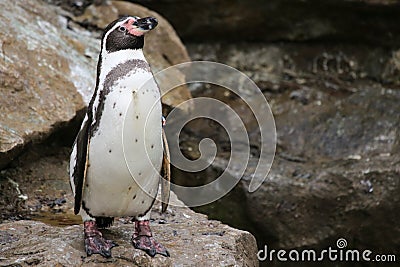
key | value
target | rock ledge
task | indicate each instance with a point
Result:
(191, 239)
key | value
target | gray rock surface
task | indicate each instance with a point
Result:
(336, 168)
(75, 6)
(312, 204)
(48, 66)
(360, 21)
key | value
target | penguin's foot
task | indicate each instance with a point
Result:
(95, 243)
(142, 238)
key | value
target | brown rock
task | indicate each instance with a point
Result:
(48, 68)
(36, 69)
(190, 238)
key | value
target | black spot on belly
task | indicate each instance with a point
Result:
(120, 114)
(140, 173)
(136, 140)
(129, 188)
(134, 197)
(109, 151)
(142, 201)
(137, 116)
(152, 146)
(114, 105)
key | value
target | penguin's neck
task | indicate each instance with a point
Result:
(110, 60)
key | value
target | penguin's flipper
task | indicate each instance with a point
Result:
(166, 175)
(81, 164)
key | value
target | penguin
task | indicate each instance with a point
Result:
(120, 152)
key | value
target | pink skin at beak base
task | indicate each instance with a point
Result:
(133, 29)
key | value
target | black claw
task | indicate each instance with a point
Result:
(89, 252)
(152, 252)
(164, 253)
(105, 253)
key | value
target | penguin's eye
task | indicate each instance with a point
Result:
(122, 29)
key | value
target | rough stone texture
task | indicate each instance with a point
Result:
(48, 64)
(40, 60)
(36, 187)
(336, 167)
(311, 205)
(277, 20)
(286, 66)
(75, 6)
(204, 243)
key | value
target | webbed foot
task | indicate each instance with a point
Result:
(142, 238)
(95, 243)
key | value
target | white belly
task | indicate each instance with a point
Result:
(126, 151)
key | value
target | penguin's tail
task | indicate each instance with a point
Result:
(104, 222)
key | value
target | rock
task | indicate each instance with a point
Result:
(75, 6)
(30, 242)
(308, 205)
(364, 123)
(360, 21)
(48, 66)
(41, 59)
(334, 173)
(40, 176)
(37, 183)
(288, 66)
(190, 238)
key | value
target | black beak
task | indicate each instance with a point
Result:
(146, 24)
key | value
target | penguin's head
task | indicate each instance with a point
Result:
(127, 33)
